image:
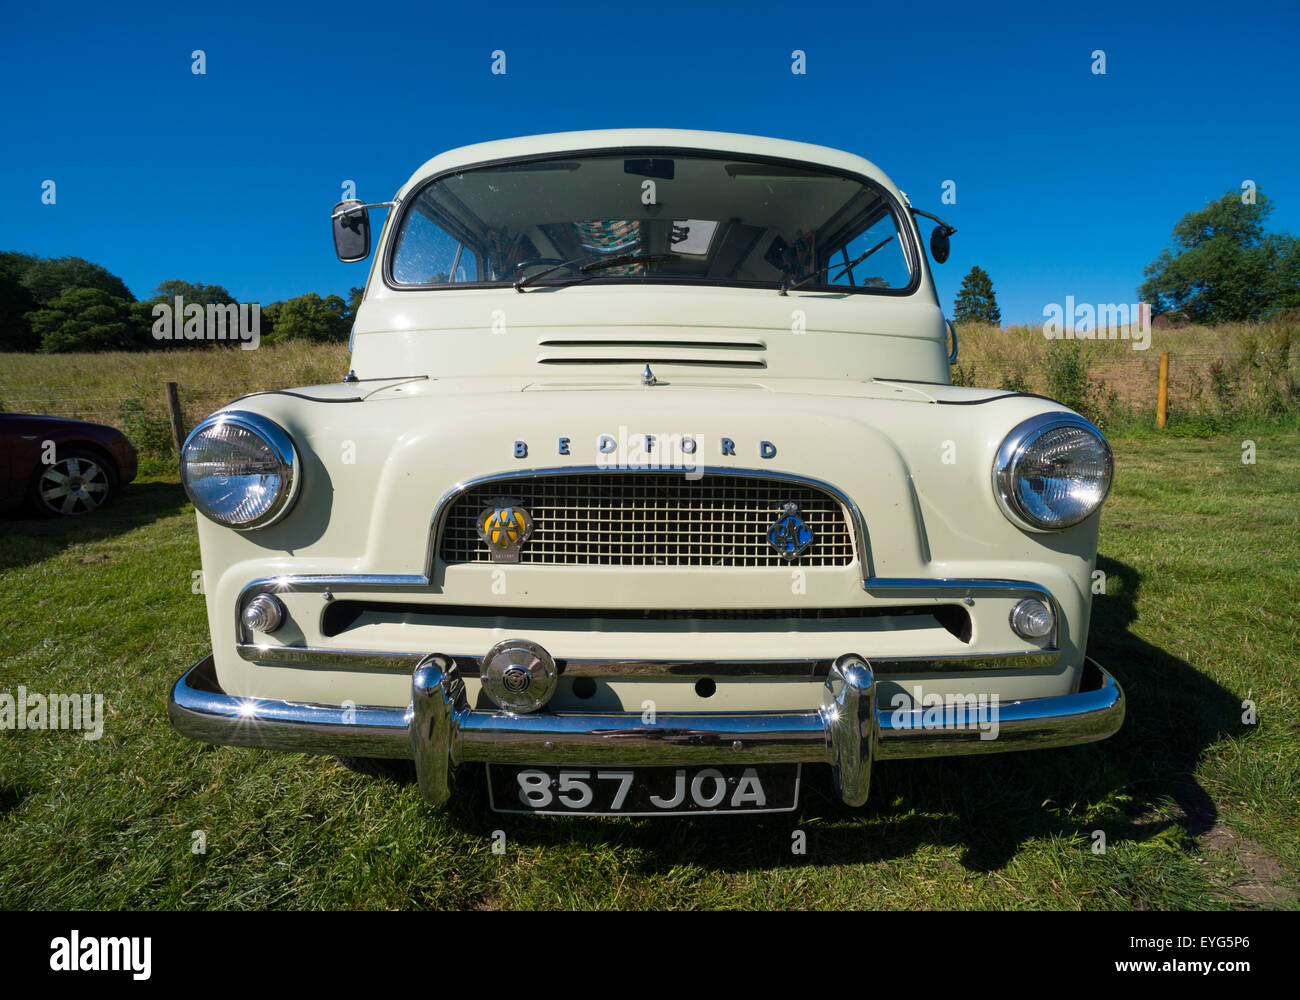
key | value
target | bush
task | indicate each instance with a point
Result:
(1014, 381)
(146, 428)
(85, 319)
(963, 376)
(1225, 385)
(1200, 425)
(1065, 367)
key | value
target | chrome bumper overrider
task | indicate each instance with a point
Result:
(438, 729)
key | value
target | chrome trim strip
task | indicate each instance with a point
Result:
(965, 588)
(286, 584)
(1028, 659)
(470, 664)
(446, 731)
(896, 586)
(316, 656)
(272, 585)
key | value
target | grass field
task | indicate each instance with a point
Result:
(1219, 375)
(1197, 808)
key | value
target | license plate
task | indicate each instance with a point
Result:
(642, 791)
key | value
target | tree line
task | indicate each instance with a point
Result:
(1222, 267)
(58, 304)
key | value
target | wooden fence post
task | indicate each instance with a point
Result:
(1162, 399)
(174, 412)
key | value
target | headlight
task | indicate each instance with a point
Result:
(240, 470)
(1052, 471)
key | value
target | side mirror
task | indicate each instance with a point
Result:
(938, 237)
(351, 221)
(939, 244)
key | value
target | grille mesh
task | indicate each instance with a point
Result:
(651, 519)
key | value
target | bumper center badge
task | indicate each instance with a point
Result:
(520, 676)
(516, 679)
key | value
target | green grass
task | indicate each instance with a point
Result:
(1198, 810)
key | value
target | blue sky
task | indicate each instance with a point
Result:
(1067, 182)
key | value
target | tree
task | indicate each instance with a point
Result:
(201, 294)
(63, 304)
(49, 278)
(355, 295)
(191, 294)
(16, 301)
(1222, 268)
(307, 317)
(86, 319)
(976, 303)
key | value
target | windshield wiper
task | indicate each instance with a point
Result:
(598, 264)
(521, 282)
(846, 268)
(629, 258)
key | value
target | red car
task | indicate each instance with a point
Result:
(60, 466)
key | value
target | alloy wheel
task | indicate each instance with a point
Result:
(73, 485)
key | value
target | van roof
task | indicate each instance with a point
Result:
(650, 138)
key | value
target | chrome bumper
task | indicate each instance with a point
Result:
(848, 731)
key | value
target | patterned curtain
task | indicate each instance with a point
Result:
(612, 236)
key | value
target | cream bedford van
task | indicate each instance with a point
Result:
(649, 491)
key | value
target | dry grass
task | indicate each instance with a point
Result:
(1256, 355)
(1233, 369)
(93, 386)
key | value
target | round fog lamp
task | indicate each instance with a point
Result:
(263, 613)
(1032, 619)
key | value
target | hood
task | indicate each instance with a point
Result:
(616, 330)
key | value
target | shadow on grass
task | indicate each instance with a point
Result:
(27, 540)
(988, 806)
(12, 796)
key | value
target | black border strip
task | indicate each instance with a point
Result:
(966, 402)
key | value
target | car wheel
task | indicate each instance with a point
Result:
(78, 482)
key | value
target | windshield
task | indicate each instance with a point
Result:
(678, 218)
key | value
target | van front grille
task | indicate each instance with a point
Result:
(622, 518)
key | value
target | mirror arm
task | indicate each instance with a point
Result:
(358, 209)
(947, 228)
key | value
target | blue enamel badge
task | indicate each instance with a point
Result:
(789, 534)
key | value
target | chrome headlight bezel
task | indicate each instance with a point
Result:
(1013, 449)
(281, 449)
